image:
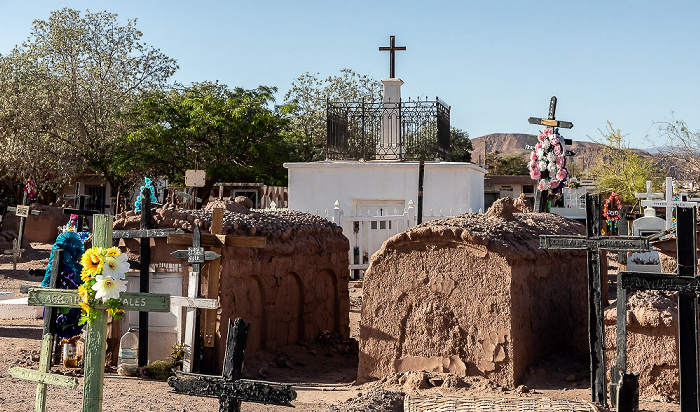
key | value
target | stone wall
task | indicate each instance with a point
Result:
(473, 295)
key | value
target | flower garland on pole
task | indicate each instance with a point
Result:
(30, 188)
(548, 161)
(103, 275)
(611, 211)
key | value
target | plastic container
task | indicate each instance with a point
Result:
(128, 353)
(70, 358)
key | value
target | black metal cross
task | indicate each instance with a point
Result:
(593, 244)
(230, 388)
(392, 49)
(551, 122)
(78, 207)
(687, 283)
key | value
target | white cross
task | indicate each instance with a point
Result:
(669, 203)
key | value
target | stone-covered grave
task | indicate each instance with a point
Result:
(291, 290)
(474, 295)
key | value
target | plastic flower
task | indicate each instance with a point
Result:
(113, 251)
(562, 174)
(535, 174)
(116, 266)
(108, 288)
(553, 183)
(92, 260)
(84, 293)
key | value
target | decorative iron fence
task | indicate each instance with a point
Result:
(414, 130)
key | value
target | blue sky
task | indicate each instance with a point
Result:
(495, 62)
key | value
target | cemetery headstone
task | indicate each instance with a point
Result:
(687, 283)
(230, 388)
(593, 244)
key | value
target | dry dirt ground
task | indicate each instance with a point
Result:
(323, 373)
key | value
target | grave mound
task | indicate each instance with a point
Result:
(473, 295)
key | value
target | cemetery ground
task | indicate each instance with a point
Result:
(323, 372)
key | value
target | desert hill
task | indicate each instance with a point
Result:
(586, 152)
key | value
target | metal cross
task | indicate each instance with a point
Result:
(230, 388)
(391, 49)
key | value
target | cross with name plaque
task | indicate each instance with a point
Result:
(551, 122)
(22, 211)
(42, 376)
(230, 388)
(95, 333)
(593, 244)
(687, 283)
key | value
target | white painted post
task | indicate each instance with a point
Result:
(669, 199)
(336, 213)
(190, 332)
(411, 215)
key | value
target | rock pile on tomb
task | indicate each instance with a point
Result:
(272, 224)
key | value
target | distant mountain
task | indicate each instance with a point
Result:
(586, 152)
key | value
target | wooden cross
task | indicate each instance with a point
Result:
(230, 388)
(392, 50)
(216, 241)
(687, 283)
(669, 203)
(22, 211)
(551, 122)
(196, 255)
(95, 341)
(42, 376)
(593, 244)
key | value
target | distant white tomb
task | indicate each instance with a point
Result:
(374, 168)
(645, 226)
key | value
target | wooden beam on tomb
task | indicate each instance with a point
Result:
(209, 240)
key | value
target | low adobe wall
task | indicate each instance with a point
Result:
(473, 295)
(291, 290)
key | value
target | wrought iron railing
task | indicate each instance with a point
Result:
(414, 130)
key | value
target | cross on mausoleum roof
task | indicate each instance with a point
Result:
(391, 49)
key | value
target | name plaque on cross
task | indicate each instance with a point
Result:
(22, 211)
(69, 298)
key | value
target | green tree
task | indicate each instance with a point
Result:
(460, 145)
(621, 169)
(62, 93)
(308, 96)
(233, 134)
(501, 164)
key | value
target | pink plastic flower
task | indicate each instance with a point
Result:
(557, 150)
(544, 185)
(553, 183)
(562, 174)
(535, 174)
(561, 162)
(554, 140)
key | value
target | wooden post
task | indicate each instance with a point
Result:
(145, 258)
(210, 315)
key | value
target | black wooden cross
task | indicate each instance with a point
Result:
(593, 244)
(687, 283)
(392, 49)
(144, 234)
(230, 388)
(551, 122)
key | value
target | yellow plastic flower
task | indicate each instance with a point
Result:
(113, 251)
(114, 311)
(92, 260)
(84, 293)
(86, 308)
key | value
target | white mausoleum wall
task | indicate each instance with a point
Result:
(446, 185)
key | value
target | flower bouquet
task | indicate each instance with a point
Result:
(547, 161)
(104, 278)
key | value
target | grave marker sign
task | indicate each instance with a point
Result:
(22, 211)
